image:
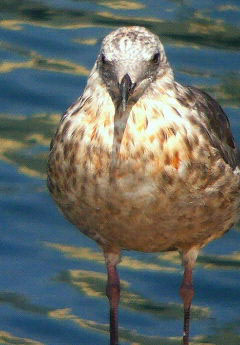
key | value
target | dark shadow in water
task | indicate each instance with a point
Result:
(21, 302)
(230, 262)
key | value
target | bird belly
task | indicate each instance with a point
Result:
(137, 204)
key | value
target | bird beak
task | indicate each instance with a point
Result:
(126, 88)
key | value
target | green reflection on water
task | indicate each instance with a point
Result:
(20, 135)
(33, 60)
(93, 284)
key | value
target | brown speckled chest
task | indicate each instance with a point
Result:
(149, 181)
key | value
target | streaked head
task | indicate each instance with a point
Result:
(131, 58)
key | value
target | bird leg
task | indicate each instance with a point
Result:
(187, 290)
(113, 294)
(187, 293)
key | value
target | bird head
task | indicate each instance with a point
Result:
(130, 59)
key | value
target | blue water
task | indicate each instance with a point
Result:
(53, 277)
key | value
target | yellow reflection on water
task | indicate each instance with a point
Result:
(9, 145)
(87, 41)
(19, 24)
(9, 339)
(205, 28)
(224, 8)
(30, 172)
(42, 63)
(93, 284)
(66, 314)
(172, 257)
(123, 5)
(11, 24)
(132, 336)
(89, 254)
(134, 20)
(226, 262)
(39, 138)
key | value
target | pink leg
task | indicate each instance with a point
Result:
(187, 290)
(113, 294)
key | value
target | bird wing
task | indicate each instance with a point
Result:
(217, 125)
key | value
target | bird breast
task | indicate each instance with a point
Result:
(147, 149)
(95, 144)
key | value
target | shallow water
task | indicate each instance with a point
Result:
(53, 277)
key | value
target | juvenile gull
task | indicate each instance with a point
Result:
(143, 163)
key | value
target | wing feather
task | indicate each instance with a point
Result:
(217, 125)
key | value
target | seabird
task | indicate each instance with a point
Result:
(141, 162)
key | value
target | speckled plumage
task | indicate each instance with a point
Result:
(164, 174)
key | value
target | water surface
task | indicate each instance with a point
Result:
(53, 277)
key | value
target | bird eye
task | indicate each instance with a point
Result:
(156, 58)
(103, 58)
